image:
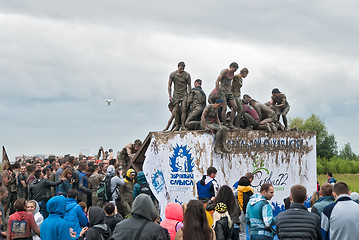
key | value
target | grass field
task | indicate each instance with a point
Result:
(351, 179)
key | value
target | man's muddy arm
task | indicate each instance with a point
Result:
(216, 119)
(217, 82)
(203, 119)
(170, 89)
(189, 85)
(169, 122)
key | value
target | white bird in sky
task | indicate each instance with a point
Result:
(109, 101)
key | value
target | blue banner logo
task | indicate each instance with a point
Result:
(181, 160)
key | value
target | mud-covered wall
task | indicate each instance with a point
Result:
(175, 161)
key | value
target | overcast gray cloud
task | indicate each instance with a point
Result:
(59, 60)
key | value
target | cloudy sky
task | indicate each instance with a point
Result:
(59, 60)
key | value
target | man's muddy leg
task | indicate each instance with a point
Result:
(177, 117)
(284, 116)
(233, 106)
(239, 117)
(183, 113)
(224, 141)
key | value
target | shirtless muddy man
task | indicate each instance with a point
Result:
(181, 87)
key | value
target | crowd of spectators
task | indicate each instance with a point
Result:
(88, 198)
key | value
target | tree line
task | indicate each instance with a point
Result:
(328, 156)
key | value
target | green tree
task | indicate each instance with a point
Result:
(326, 144)
(327, 148)
(347, 153)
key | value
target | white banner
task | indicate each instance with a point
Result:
(175, 161)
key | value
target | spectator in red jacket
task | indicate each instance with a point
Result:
(174, 218)
(21, 222)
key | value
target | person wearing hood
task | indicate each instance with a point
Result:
(174, 219)
(75, 215)
(259, 215)
(116, 181)
(98, 228)
(40, 190)
(141, 224)
(142, 187)
(34, 208)
(21, 222)
(54, 227)
(127, 191)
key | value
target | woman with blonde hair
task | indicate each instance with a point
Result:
(226, 196)
(222, 223)
(34, 208)
(314, 198)
(21, 223)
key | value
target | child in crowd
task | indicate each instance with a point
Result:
(84, 207)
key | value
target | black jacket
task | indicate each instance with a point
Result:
(143, 210)
(111, 221)
(222, 230)
(98, 229)
(234, 214)
(298, 223)
(40, 189)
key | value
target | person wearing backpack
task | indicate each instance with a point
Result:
(244, 192)
(259, 215)
(142, 187)
(94, 181)
(98, 229)
(115, 195)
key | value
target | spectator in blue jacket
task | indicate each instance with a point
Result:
(54, 227)
(75, 215)
(142, 187)
(259, 215)
(326, 198)
(330, 178)
(83, 188)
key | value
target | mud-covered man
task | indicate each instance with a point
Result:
(280, 105)
(196, 103)
(267, 116)
(128, 153)
(181, 86)
(210, 121)
(224, 88)
(237, 84)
